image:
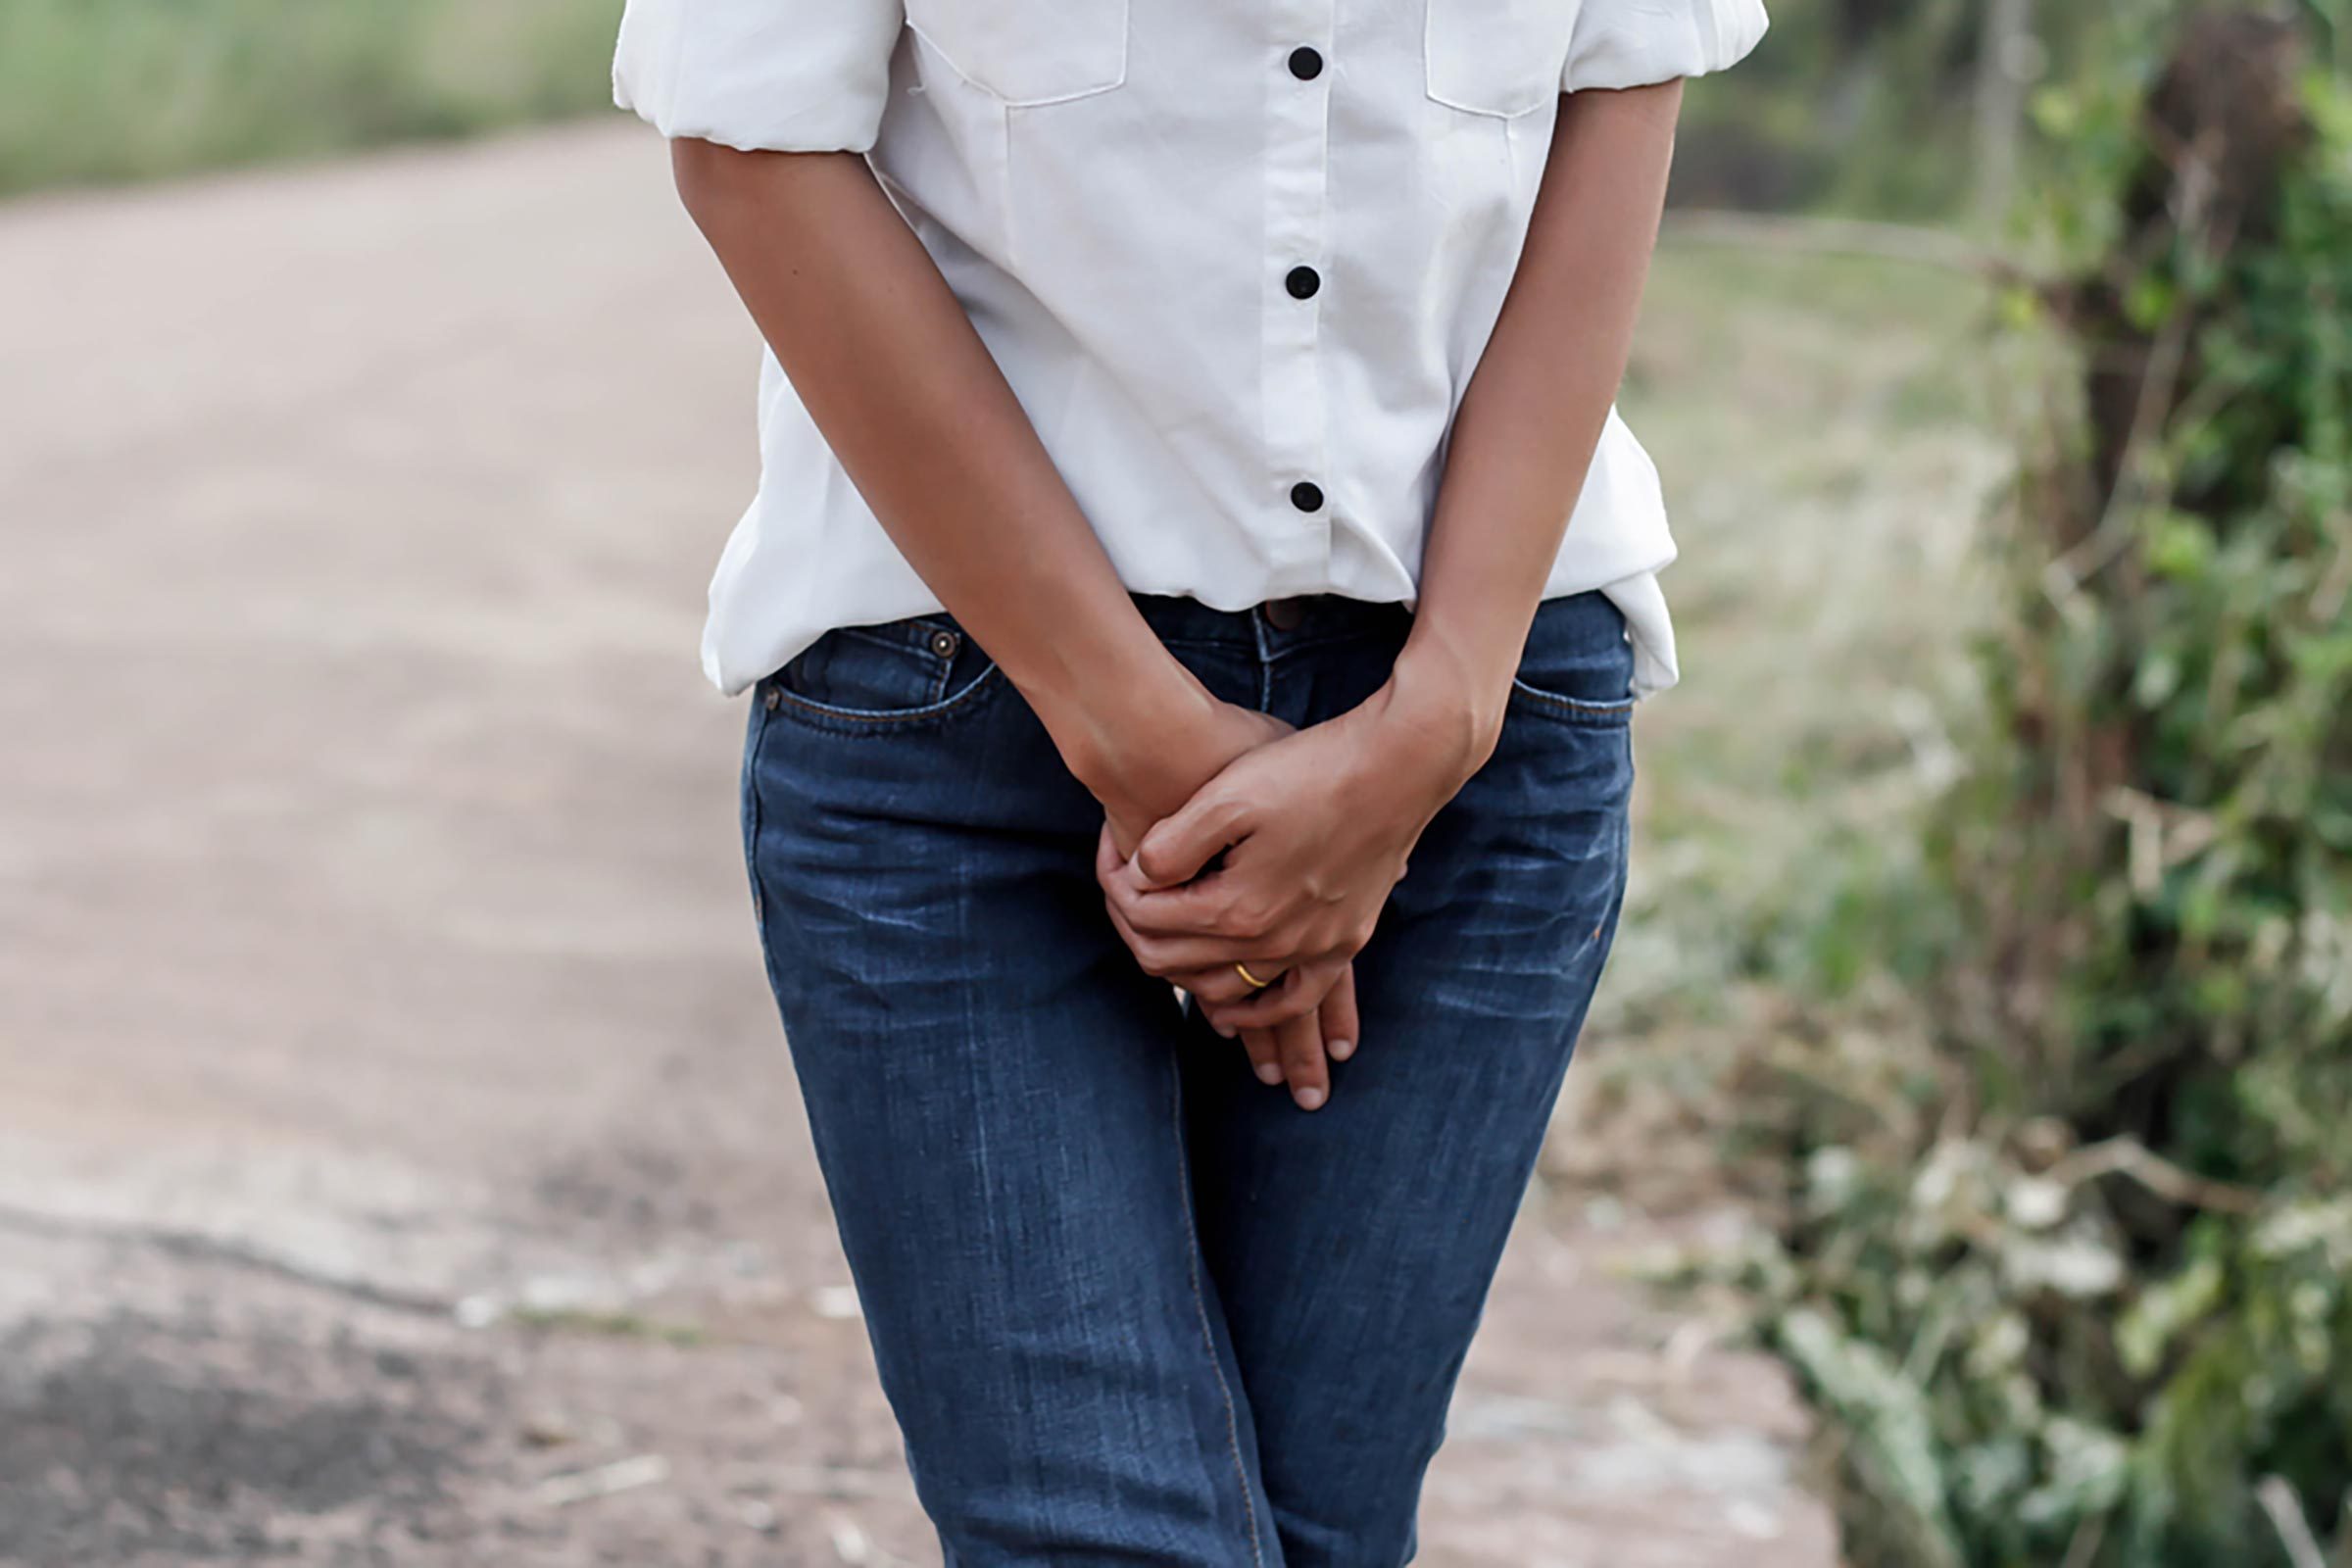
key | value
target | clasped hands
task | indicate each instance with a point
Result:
(1279, 862)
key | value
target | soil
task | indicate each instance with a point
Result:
(398, 1162)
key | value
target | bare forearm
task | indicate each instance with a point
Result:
(1533, 416)
(908, 395)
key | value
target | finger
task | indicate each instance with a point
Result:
(1190, 946)
(1303, 1063)
(1222, 985)
(1201, 945)
(1262, 1010)
(1201, 966)
(1157, 955)
(1340, 1021)
(1197, 914)
(1230, 908)
(1265, 1054)
(1138, 945)
(1300, 993)
(1107, 874)
(1114, 867)
(1178, 847)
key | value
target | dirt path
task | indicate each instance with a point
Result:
(398, 1157)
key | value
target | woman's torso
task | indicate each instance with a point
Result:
(1238, 263)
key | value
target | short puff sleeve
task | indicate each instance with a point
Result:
(762, 76)
(1638, 43)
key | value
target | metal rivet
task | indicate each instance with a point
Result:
(773, 698)
(944, 643)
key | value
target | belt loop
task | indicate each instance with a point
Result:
(1262, 633)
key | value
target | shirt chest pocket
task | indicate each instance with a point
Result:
(1497, 56)
(1029, 51)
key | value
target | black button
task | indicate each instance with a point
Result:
(1305, 64)
(1302, 282)
(1284, 614)
(1306, 497)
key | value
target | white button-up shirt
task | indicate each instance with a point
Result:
(1238, 262)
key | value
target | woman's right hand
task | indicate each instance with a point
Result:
(1144, 769)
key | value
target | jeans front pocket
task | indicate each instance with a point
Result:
(1028, 52)
(877, 679)
(1578, 665)
(1497, 56)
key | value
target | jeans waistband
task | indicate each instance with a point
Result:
(1274, 626)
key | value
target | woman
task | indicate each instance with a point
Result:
(1191, 491)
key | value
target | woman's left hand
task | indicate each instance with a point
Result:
(1283, 862)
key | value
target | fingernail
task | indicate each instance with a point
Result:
(1269, 1074)
(1340, 1050)
(1310, 1098)
(1226, 1029)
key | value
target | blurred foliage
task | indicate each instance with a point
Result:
(1868, 107)
(2070, 1268)
(99, 90)
(1857, 106)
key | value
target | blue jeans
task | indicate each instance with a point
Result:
(1130, 1306)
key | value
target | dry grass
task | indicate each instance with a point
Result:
(1826, 431)
(107, 91)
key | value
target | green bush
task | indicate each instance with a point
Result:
(2074, 1280)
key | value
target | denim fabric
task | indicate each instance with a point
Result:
(1131, 1306)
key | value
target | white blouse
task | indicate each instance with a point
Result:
(1237, 261)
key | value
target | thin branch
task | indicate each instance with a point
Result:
(2279, 1500)
(2194, 182)
(2090, 1536)
(2127, 1156)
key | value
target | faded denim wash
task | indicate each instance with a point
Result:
(1130, 1306)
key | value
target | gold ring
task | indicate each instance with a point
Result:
(1256, 984)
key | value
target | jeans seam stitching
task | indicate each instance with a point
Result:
(1574, 706)
(1208, 1340)
(853, 718)
(761, 906)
